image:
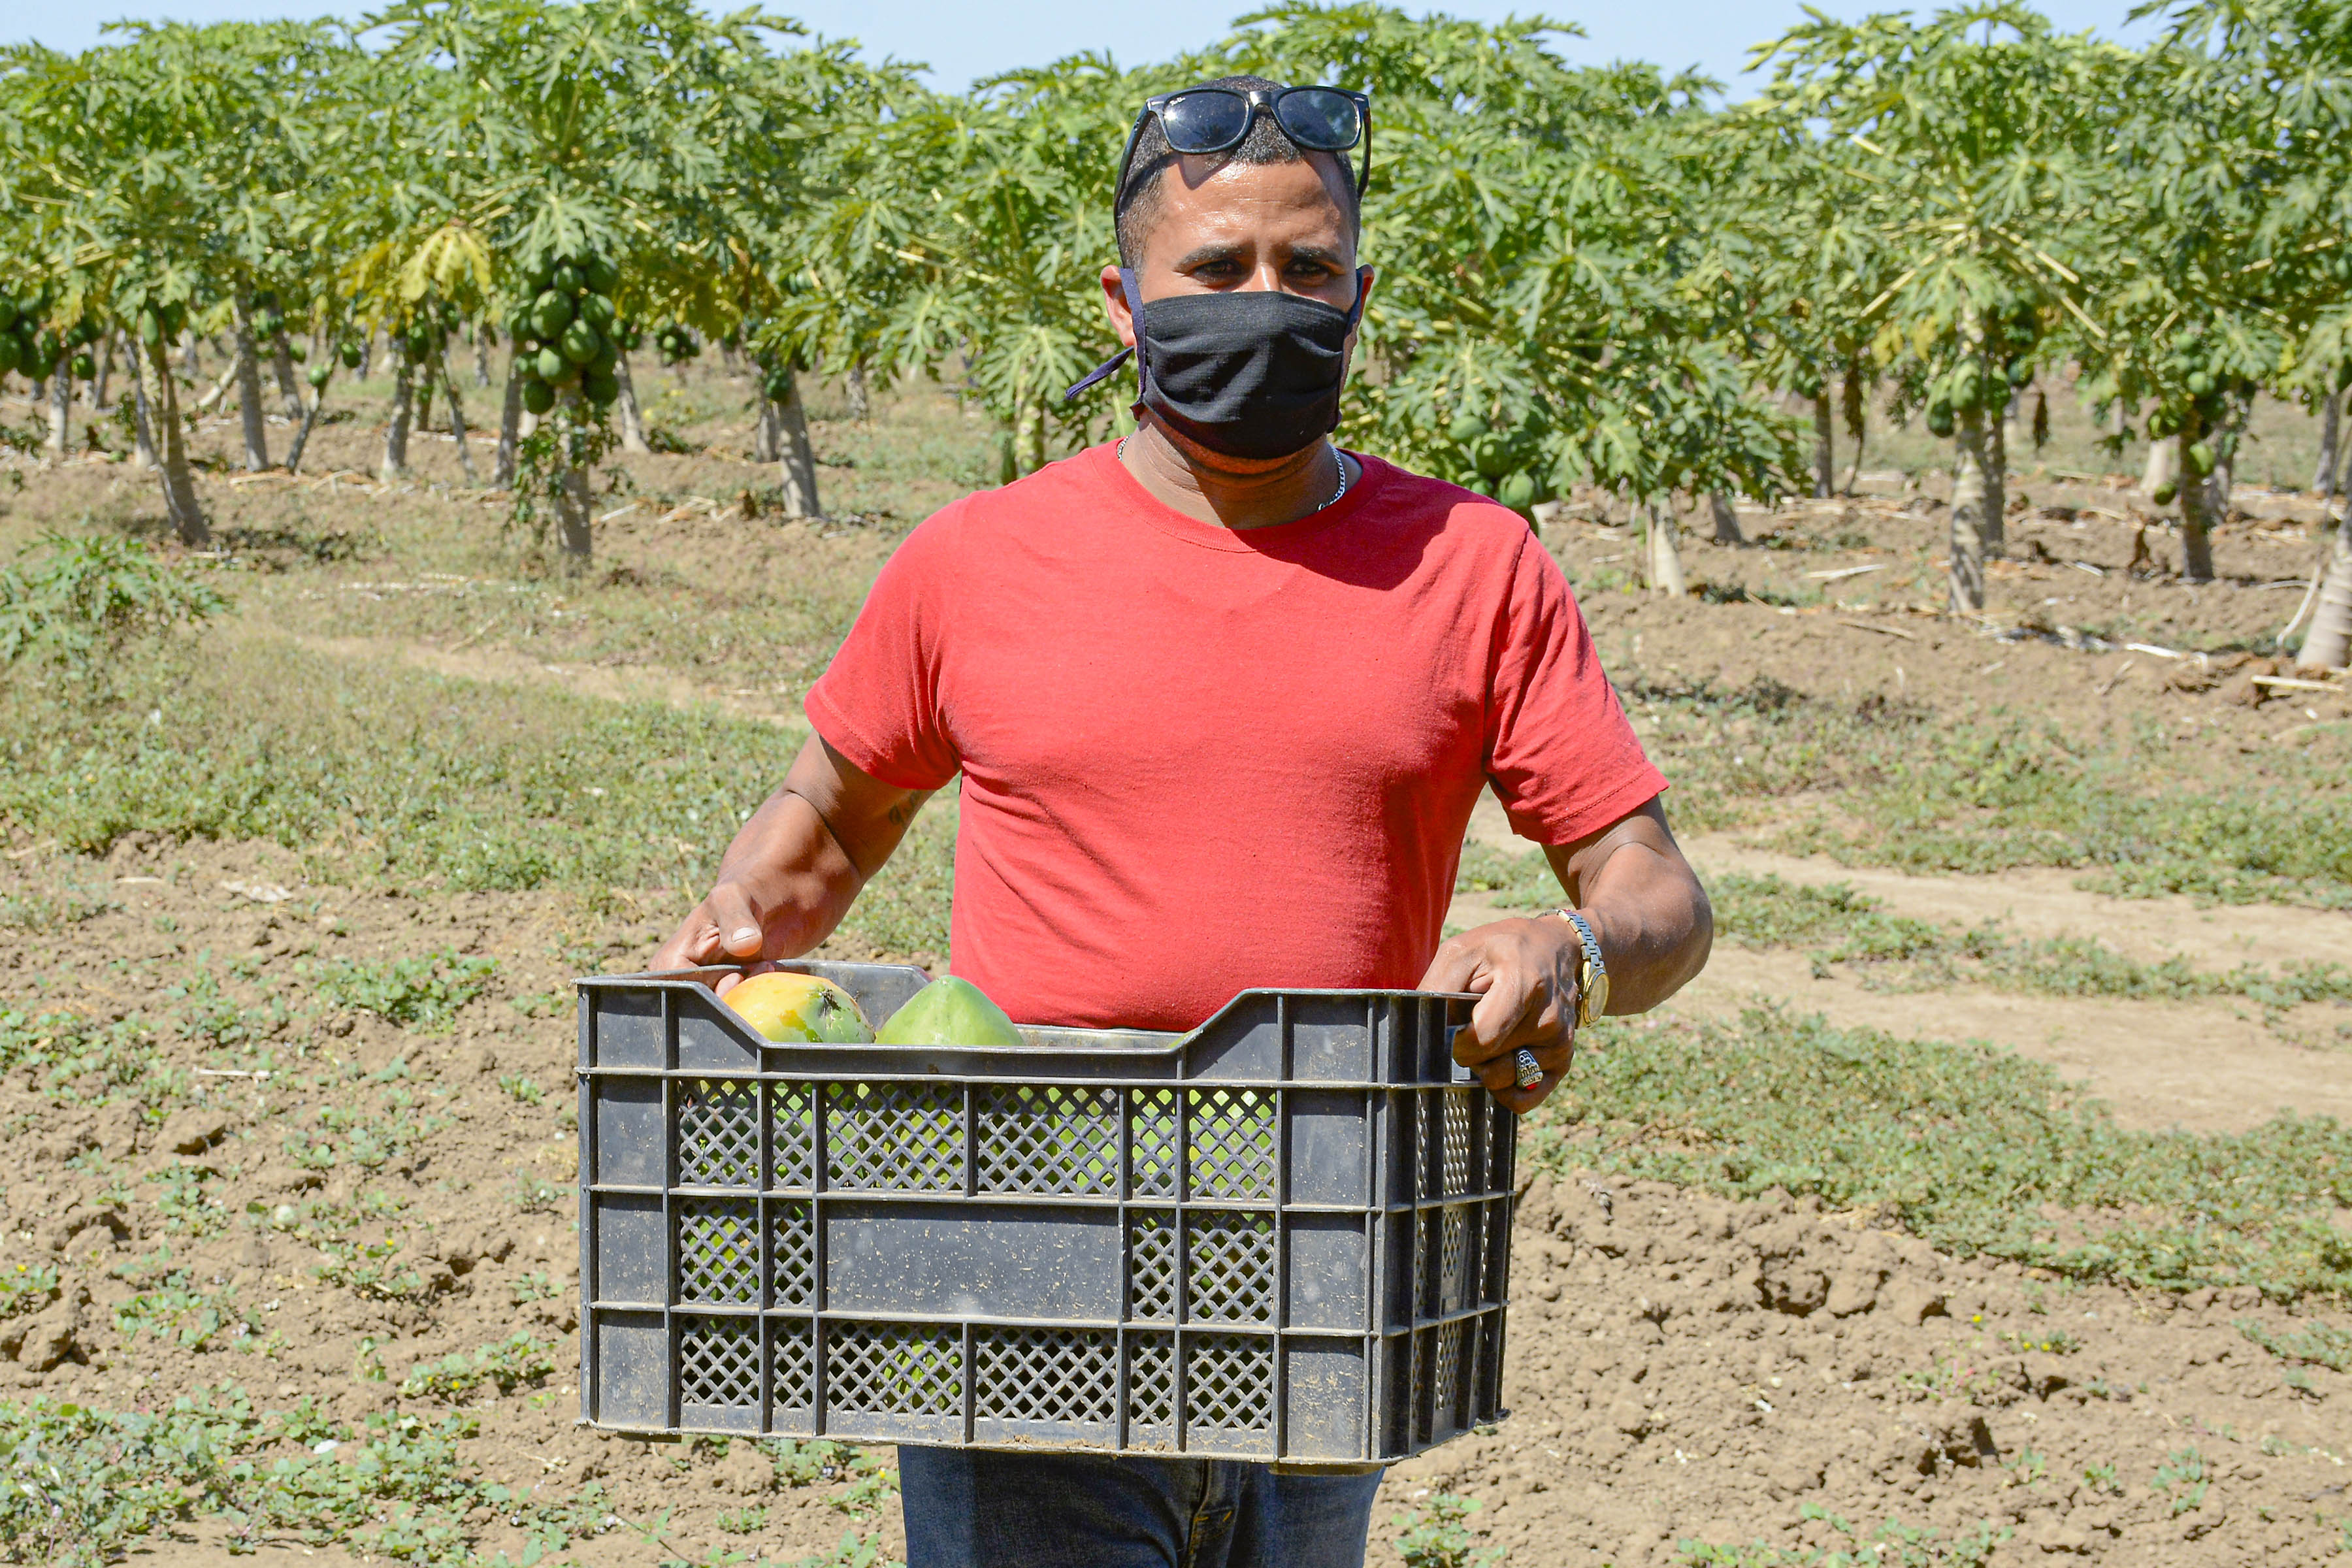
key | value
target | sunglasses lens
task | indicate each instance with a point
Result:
(1319, 118)
(1204, 122)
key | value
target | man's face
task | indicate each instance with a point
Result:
(1242, 226)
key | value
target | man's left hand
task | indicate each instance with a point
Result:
(1525, 973)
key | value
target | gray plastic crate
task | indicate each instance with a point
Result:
(1285, 1235)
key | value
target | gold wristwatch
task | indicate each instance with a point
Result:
(1592, 976)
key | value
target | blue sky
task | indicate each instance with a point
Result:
(962, 40)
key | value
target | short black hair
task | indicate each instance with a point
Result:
(1138, 204)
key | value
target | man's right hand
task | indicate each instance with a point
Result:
(793, 870)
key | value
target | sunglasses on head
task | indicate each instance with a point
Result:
(1218, 120)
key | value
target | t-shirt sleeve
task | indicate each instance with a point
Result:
(878, 702)
(1561, 752)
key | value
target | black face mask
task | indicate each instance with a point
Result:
(1247, 373)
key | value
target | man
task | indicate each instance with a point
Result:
(1222, 698)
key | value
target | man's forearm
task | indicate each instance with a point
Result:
(1654, 922)
(793, 872)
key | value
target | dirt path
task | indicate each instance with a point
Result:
(2211, 1066)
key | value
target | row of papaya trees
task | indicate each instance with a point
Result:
(1589, 276)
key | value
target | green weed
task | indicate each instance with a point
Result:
(81, 1061)
(76, 599)
(1966, 1142)
(2185, 1468)
(505, 1366)
(27, 1288)
(421, 993)
(55, 907)
(1892, 1545)
(182, 1315)
(1436, 1534)
(2312, 1344)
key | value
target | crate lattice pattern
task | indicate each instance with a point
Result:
(894, 1137)
(1151, 1380)
(895, 1369)
(792, 1123)
(1229, 1275)
(791, 1365)
(718, 1252)
(1152, 1142)
(791, 1255)
(1151, 1267)
(1049, 1140)
(1046, 1374)
(718, 1134)
(1229, 1382)
(719, 1363)
(1233, 1143)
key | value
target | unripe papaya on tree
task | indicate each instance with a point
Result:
(1517, 492)
(319, 375)
(151, 327)
(175, 318)
(605, 359)
(8, 314)
(600, 390)
(2162, 423)
(1941, 422)
(2344, 376)
(551, 314)
(7, 353)
(597, 312)
(2200, 382)
(520, 322)
(349, 354)
(83, 367)
(581, 343)
(1491, 457)
(537, 395)
(2020, 370)
(1466, 427)
(298, 352)
(603, 276)
(2200, 458)
(567, 279)
(2165, 493)
(777, 386)
(551, 365)
(1968, 388)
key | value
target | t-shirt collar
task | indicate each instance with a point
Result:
(1102, 465)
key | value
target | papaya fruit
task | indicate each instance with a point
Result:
(1466, 427)
(551, 365)
(800, 1009)
(603, 276)
(597, 312)
(567, 279)
(2200, 458)
(600, 391)
(318, 375)
(2200, 382)
(8, 353)
(551, 313)
(8, 312)
(1940, 422)
(350, 354)
(2165, 493)
(538, 396)
(949, 1012)
(1517, 491)
(581, 343)
(83, 367)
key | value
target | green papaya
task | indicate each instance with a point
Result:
(2200, 382)
(350, 354)
(949, 1012)
(603, 276)
(1491, 458)
(1466, 427)
(2165, 493)
(83, 367)
(553, 366)
(605, 357)
(151, 327)
(2200, 458)
(1941, 422)
(318, 375)
(1968, 389)
(581, 343)
(599, 390)
(2020, 370)
(567, 279)
(2161, 424)
(1517, 492)
(537, 395)
(298, 352)
(551, 313)
(8, 315)
(8, 353)
(597, 312)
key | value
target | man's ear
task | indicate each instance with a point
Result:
(1122, 320)
(1365, 276)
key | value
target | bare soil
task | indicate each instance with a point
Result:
(1681, 1369)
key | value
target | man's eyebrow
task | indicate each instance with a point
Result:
(1213, 251)
(1328, 255)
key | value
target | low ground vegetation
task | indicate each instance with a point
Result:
(296, 874)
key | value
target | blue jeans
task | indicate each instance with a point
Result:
(968, 1507)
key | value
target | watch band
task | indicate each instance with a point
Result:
(1592, 984)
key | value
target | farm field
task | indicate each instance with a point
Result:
(1989, 1199)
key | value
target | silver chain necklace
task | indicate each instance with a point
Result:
(1119, 451)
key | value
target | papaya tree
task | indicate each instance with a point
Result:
(1980, 134)
(1549, 314)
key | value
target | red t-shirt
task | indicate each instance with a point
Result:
(1197, 759)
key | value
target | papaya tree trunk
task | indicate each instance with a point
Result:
(60, 413)
(2159, 472)
(1030, 436)
(2329, 645)
(798, 459)
(1854, 388)
(191, 359)
(633, 420)
(98, 384)
(1726, 519)
(404, 408)
(768, 434)
(502, 475)
(187, 518)
(248, 385)
(1824, 446)
(2196, 512)
(854, 385)
(1666, 556)
(2331, 425)
(142, 422)
(571, 486)
(456, 417)
(303, 435)
(1976, 499)
(282, 365)
(1996, 530)
(482, 355)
